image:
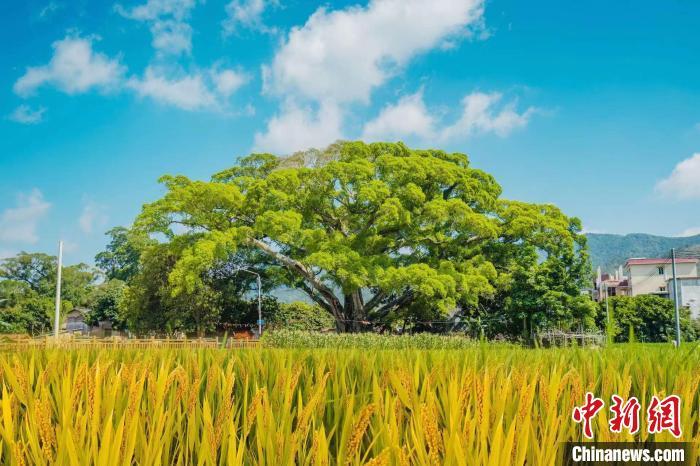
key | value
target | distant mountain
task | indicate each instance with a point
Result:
(609, 251)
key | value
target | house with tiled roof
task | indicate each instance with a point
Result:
(652, 275)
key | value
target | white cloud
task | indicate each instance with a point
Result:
(343, 55)
(408, 117)
(188, 92)
(93, 215)
(298, 128)
(481, 114)
(74, 68)
(172, 37)
(167, 20)
(195, 91)
(227, 81)
(247, 14)
(49, 10)
(19, 224)
(154, 9)
(339, 57)
(690, 231)
(684, 180)
(26, 115)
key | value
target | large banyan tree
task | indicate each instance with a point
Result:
(367, 231)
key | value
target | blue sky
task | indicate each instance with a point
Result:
(593, 106)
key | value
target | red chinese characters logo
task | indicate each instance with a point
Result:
(587, 412)
(665, 415)
(662, 415)
(625, 415)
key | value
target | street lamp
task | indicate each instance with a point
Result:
(259, 284)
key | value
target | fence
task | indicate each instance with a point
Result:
(131, 343)
(560, 338)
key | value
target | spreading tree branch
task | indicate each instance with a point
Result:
(299, 268)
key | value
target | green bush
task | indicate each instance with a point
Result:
(645, 318)
(299, 315)
(300, 339)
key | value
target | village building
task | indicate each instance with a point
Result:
(653, 276)
(76, 323)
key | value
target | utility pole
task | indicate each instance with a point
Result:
(57, 316)
(675, 298)
(607, 310)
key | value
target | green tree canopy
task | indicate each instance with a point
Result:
(649, 318)
(364, 229)
(120, 260)
(28, 286)
(105, 304)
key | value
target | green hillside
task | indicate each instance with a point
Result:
(609, 251)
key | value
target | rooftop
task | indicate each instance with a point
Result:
(646, 261)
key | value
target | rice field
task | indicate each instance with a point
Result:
(487, 404)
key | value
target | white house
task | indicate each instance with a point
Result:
(651, 276)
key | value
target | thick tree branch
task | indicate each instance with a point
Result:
(399, 301)
(374, 301)
(301, 269)
(316, 298)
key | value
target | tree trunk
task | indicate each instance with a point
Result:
(353, 309)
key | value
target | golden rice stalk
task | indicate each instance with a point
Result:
(47, 434)
(358, 431)
(432, 433)
(254, 407)
(380, 460)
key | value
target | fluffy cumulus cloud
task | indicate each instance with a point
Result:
(227, 81)
(93, 215)
(339, 57)
(246, 14)
(164, 80)
(408, 117)
(27, 115)
(684, 181)
(74, 68)
(19, 224)
(298, 128)
(485, 113)
(200, 90)
(343, 55)
(480, 113)
(168, 23)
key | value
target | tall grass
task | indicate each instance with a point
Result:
(317, 340)
(482, 405)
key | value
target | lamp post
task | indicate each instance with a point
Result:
(259, 285)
